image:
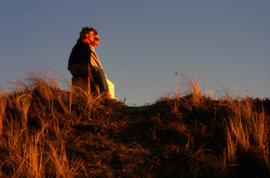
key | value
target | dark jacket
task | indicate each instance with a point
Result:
(79, 60)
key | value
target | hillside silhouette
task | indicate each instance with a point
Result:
(48, 132)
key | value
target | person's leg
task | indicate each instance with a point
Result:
(101, 81)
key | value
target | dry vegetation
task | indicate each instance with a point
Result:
(47, 132)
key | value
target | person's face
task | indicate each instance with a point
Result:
(96, 40)
(90, 37)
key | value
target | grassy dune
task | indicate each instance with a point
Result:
(47, 132)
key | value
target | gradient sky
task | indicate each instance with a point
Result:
(225, 44)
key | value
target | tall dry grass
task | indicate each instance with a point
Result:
(29, 145)
(248, 131)
(2, 111)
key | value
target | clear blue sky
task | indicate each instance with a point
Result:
(223, 43)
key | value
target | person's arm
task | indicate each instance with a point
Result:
(79, 60)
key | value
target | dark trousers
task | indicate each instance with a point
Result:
(99, 79)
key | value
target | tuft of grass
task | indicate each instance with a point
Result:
(62, 166)
(195, 91)
(247, 131)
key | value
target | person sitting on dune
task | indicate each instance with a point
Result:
(85, 66)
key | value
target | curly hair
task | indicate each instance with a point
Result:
(86, 30)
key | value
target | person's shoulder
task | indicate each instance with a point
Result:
(81, 45)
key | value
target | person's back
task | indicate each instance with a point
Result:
(79, 60)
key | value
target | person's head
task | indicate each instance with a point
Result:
(88, 34)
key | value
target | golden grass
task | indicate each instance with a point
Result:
(32, 154)
(39, 133)
(195, 91)
(2, 111)
(248, 130)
